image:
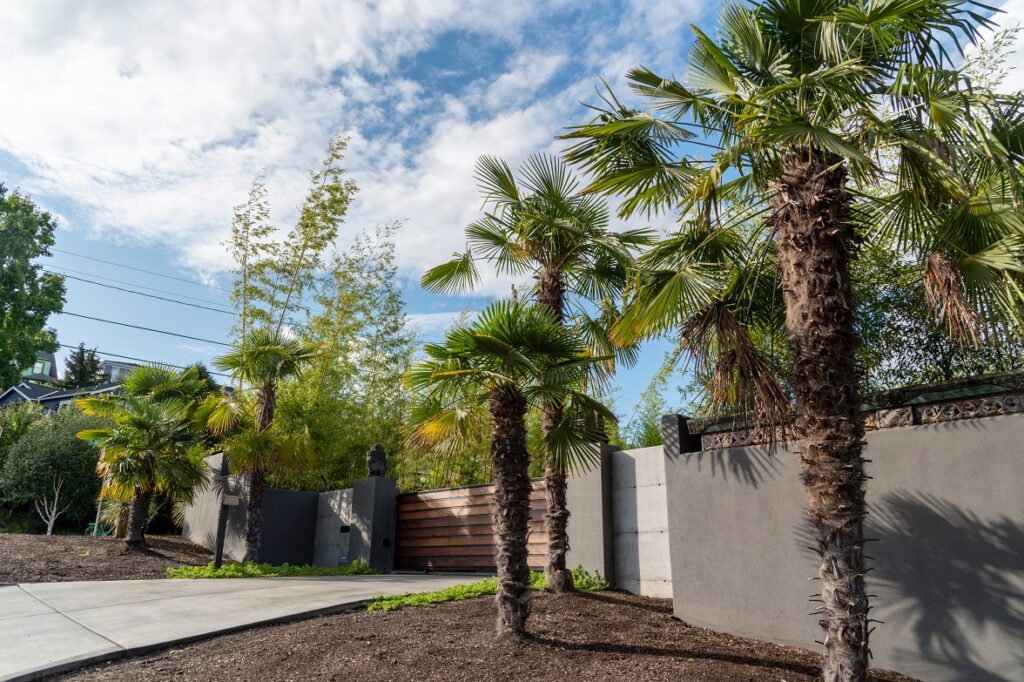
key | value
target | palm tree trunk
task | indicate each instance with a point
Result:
(266, 404)
(551, 294)
(510, 470)
(254, 513)
(138, 515)
(815, 246)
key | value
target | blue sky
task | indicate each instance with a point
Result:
(141, 125)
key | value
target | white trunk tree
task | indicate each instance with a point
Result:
(48, 509)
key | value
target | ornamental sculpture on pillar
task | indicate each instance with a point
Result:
(377, 460)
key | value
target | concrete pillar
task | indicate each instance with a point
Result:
(676, 437)
(372, 536)
(591, 533)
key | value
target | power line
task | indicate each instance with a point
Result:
(160, 298)
(62, 270)
(148, 272)
(129, 357)
(145, 329)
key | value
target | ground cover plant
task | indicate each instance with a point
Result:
(251, 569)
(582, 580)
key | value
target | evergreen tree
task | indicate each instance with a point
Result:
(82, 368)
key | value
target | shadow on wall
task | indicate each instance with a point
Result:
(951, 571)
(751, 466)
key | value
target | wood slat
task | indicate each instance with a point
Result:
(418, 505)
(459, 531)
(465, 564)
(453, 529)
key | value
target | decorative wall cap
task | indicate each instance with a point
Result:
(982, 396)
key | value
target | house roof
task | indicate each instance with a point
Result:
(28, 390)
(105, 387)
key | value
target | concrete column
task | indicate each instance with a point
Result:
(372, 537)
(591, 532)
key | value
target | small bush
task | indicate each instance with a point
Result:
(250, 569)
(584, 581)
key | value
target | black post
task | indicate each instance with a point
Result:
(222, 515)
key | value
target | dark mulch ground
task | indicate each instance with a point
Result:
(60, 558)
(607, 636)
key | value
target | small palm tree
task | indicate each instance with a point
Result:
(826, 123)
(512, 358)
(264, 358)
(543, 226)
(150, 448)
(154, 445)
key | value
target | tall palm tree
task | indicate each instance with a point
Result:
(828, 122)
(541, 225)
(511, 358)
(262, 359)
(154, 444)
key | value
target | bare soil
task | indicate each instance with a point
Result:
(62, 558)
(606, 636)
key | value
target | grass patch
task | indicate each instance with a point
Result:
(250, 569)
(585, 582)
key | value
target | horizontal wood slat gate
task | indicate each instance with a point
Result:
(452, 529)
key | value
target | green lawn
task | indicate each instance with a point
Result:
(250, 569)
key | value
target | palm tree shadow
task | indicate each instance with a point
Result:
(749, 465)
(617, 599)
(619, 648)
(951, 574)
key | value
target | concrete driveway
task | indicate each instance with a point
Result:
(49, 627)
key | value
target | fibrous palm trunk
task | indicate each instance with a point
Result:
(510, 471)
(551, 294)
(815, 246)
(138, 515)
(256, 478)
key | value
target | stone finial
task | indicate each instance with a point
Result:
(377, 460)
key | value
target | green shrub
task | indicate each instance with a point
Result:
(250, 569)
(585, 582)
(49, 451)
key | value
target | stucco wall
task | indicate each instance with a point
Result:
(640, 522)
(947, 508)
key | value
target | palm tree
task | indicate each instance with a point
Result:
(542, 226)
(150, 448)
(154, 444)
(511, 358)
(262, 359)
(826, 123)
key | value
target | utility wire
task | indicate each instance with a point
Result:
(159, 298)
(148, 272)
(62, 270)
(129, 357)
(145, 329)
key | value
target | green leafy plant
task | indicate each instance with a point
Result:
(251, 569)
(583, 581)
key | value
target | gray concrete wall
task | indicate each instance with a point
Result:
(373, 522)
(947, 508)
(591, 530)
(640, 522)
(333, 528)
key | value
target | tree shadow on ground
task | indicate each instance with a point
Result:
(611, 597)
(621, 649)
(953, 572)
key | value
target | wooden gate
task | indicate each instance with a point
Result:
(452, 529)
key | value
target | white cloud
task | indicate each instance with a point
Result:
(151, 119)
(433, 325)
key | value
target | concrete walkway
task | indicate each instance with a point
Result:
(48, 627)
